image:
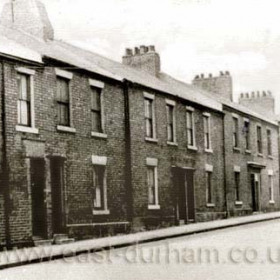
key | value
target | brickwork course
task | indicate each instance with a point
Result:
(182, 182)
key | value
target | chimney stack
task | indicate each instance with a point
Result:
(29, 16)
(144, 58)
(262, 102)
(220, 85)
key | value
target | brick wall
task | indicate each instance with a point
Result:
(76, 148)
(241, 158)
(169, 156)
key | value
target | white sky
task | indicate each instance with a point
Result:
(191, 36)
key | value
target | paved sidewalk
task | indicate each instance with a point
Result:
(47, 253)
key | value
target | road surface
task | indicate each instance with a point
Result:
(244, 252)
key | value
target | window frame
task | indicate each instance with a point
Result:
(271, 186)
(68, 76)
(100, 162)
(171, 104)
(63, 104)
(99, 85)
(150, 98)
(209, 185)
(259, 141)
(269, 141)
(190, 114)
(235, 135)
(207, 140)
(30, 128)
(152, 164)
(247, 134)
(237, 185)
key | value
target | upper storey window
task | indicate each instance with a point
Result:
(63, 101)
(96, 110)
(24, 99)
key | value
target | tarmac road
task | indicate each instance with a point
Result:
(244, 252)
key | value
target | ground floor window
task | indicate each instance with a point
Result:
(270, 187)
(237, 185)
(152, 183)
(209, 195)
(98, 186)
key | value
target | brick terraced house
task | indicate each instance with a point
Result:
(91, 147)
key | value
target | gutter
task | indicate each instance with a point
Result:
(4, 167)
(128, 153)
(225, 168)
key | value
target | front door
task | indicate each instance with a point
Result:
(255, 187)
(184, 193)
(37, 179)
(57, 187)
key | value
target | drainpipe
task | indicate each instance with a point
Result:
(225, 169)
(5, 168)
(128, 155)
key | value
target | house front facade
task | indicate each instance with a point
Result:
(91, 147)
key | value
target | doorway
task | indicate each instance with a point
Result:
(37, 180)
(58, 200)
(184, 193)
(255, 188)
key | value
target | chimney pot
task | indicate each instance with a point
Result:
(151, 48)
(221, 73)
(128, 52)
(210, 75)
(227, 73)
(142, 49)
(202, 76)
(136, 51)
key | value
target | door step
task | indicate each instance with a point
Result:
(62, 239)
(42, 242)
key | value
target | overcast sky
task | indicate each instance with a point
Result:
(191, 36)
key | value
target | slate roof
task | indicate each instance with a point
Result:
(19, 44)
(96, 63)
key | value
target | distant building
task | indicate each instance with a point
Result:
(90, 147)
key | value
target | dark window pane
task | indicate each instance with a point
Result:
(98, 187)
(95, 99)
(63, 114)
(151, 186)
(62, 90)
(209, 186)
(24, 110)
(96, 121)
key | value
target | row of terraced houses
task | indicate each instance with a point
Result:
(91, 147)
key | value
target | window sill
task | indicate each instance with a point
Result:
(101, 212)
(260, 155)
(99, 135)
(66, 129)
(248, 152)
(238, 203)
(209, 151)
(193, 148)
(172, 143)
(270, 157)
(27, 129)
(153, 140)
(236, 149)
(153, 207)
(210, 205)
(272, 202)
